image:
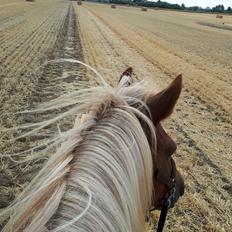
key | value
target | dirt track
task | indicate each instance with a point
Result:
(116, 38)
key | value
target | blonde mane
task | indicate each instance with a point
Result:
(100, 176)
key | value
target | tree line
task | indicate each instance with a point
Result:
(166, 5)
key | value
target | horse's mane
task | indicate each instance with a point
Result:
(100, 177)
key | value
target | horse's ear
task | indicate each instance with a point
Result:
(162, 104)
(127, 75)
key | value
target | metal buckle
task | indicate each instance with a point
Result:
(171, 198)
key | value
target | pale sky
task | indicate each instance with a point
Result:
(203, 3)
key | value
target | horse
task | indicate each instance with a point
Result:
(110, 168)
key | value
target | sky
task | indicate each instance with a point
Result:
(202, 3)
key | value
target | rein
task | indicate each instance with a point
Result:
(172, 196)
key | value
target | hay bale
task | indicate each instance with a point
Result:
(219, 16)
(143, 9)
(79, 3)
(113, 6)
(30, 0)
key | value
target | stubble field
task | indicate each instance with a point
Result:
(159, 45)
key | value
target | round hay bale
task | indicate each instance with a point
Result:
(79, 3)
(30, 0)
(219, 16)
(143, 9)
(113, 6)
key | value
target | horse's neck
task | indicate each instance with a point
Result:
(91, 193)
(100, 194)
(104, 182)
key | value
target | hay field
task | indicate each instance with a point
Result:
(159, 45)
(30, 35)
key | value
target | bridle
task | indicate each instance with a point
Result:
(172, 196)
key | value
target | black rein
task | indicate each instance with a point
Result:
(171, 198)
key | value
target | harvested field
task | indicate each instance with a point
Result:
(47, 31)
(159, 45)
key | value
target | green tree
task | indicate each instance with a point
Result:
(182, 6)
(218, 8)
